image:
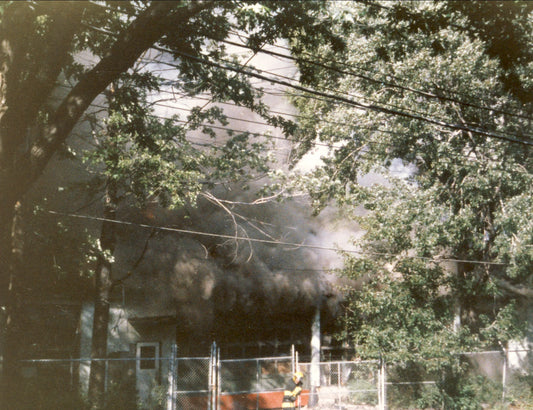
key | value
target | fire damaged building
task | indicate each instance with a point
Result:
(253, 298)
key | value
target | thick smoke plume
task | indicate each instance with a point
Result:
(196, 277)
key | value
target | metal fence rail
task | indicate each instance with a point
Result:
(221, 384)
(347, 384)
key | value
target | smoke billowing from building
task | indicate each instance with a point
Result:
(204, 280)
(214, 283)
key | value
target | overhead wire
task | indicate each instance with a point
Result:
(391, 76)
(318, 61)
(337, 93)
(292, 244)
(457, 156)
(331, 145)
(267, 241)
(315, 143)
(364, 106)
(351, 102)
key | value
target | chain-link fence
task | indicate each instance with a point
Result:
(346, 384)
(192, 387)
(253, 383)
(494, 379)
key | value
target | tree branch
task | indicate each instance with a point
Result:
(130, 272)
(147, 29)
(519, 290)
(28, 84)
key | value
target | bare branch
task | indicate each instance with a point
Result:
(137, 262)
(214, 200)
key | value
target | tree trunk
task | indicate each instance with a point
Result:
(21, 166)
(24, 91)
(12, 325)
(103, 285)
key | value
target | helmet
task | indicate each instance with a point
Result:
(296, 377)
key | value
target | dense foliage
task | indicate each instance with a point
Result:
(445, 262)
(444, 89)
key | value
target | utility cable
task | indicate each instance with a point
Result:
(376, 81)
(344, 93)
(320, 64)
(417, 115)
(361, 105)
(209, 143)
(457, 156)
(387, 75)
(267, 241)
(351, 102)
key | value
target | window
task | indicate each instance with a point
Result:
(148, 356)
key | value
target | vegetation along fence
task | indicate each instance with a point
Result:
(494, 379)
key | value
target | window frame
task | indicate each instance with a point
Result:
(140, 360)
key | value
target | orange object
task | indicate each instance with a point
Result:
(248, 401)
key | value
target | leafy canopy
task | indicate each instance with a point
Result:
(457, 195)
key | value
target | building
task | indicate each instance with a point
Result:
(181, 294)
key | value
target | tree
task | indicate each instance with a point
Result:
(142, 160)
(40, 41)
(445, 88)
(31, 64)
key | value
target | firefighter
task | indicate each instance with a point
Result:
(292, 392)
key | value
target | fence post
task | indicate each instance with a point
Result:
(504, 374)
(218, 379)
(384, 387)
(259, 382)
(314, 376)
(382, 395)
(293, 359)
(214, 378)
(172, 375)
(106, 377)
(380, 403)
(339, 397)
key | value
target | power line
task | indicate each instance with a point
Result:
(209, 143)
(260, 123)
(457, 156)
(314, 61)
(426, 94)
(337, 93)
(377, 81)
(388, 75)
(299, 116)
(361, 105)
(266, 241)
(314, 143)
